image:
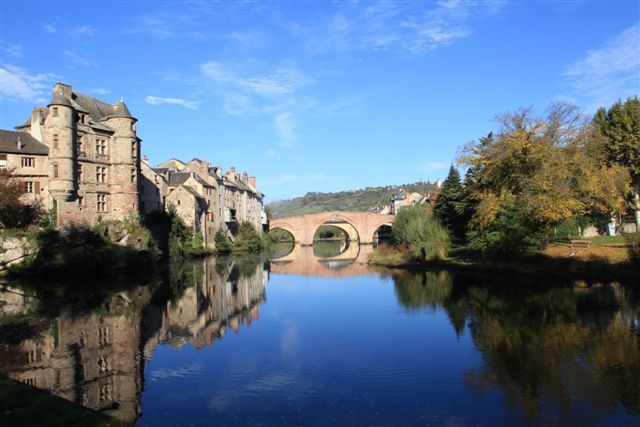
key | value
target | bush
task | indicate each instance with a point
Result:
(182, 241)
(247, 238)
(222, 245)
(573, 227)
(415, 228)
(507, 236)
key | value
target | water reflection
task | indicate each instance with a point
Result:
(560, 356)
(94, 357)
(350, 260)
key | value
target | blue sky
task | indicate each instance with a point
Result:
(319, 96)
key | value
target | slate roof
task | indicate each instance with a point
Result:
(29, 145)
(160, 171)
(177, 178)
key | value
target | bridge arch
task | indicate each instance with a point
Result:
(303, 227)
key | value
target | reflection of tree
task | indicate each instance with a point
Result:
(549, 356)
(422, 290)
(560, 355)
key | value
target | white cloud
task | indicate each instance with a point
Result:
(11, 49)
(83, 31)
(284, 178)
(282, 81)
(608, 72)
(78, 59)
(156, 100)
(101, 91)
(434, 166)
(18, 84)
(285, 126)
(388, 25)
(49, 28)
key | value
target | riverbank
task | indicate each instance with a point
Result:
(604, 262)
(21, 405)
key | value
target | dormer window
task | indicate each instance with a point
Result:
(54, 111)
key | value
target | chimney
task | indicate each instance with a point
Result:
(252, 181)
(232, 173)
(244, 177)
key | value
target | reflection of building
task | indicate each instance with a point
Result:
(90, 359)
(226, 297)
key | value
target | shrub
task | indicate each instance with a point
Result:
(507, 236)
(415, 228)
(222, 245)
(247, 238)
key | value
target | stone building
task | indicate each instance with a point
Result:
(78, 155)
(205, 198)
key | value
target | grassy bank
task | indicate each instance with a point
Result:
(607, 259)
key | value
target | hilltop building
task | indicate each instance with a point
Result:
(78, 155)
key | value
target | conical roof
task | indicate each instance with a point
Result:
(120, 110)
(60, 99)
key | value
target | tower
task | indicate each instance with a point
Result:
(125, 157)
(60, 136)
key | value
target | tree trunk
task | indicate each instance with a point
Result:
(636, 199)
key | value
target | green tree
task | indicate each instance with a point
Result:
(417, 229)
(449, 209)
(620, 125)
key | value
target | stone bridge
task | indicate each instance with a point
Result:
(303, 227)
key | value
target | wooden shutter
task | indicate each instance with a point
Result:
(36, 187)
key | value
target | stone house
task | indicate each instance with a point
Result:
(78, 155)
(203, 196)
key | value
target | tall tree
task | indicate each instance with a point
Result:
(620, 125)
(447, 207)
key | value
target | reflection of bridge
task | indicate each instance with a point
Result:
(302, 262)
(303, 227)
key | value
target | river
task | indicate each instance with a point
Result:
(322, 339)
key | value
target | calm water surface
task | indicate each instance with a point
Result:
(320, 339)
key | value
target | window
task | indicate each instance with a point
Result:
(102, 203)
(28, 187)
(103, 335)
(133, 176)
(54, 111)
(80, 201)
(28, 162)
(55, 141)
(101, 147)
(101, 174)
(79, 172)
(133, 149)
(55, 170)
(3, 161)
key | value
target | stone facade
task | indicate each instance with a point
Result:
(205, 198)
(81, 156)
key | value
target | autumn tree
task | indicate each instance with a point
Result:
(540, 172)
(14, 211)
(620, 125)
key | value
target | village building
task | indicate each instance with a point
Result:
(78, 156)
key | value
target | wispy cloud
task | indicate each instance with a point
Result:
(284, 178)
(101, 91)
(285, 126)
(83, 31)
(386, 25)
(49, 28)
(608, 72)
(434, 166)
(11, 49)
(78, 59)
(157, 100)
(18, 84)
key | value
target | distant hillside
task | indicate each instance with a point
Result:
(356, 200)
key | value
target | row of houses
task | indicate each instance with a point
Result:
(79, 157)
(402, 198)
